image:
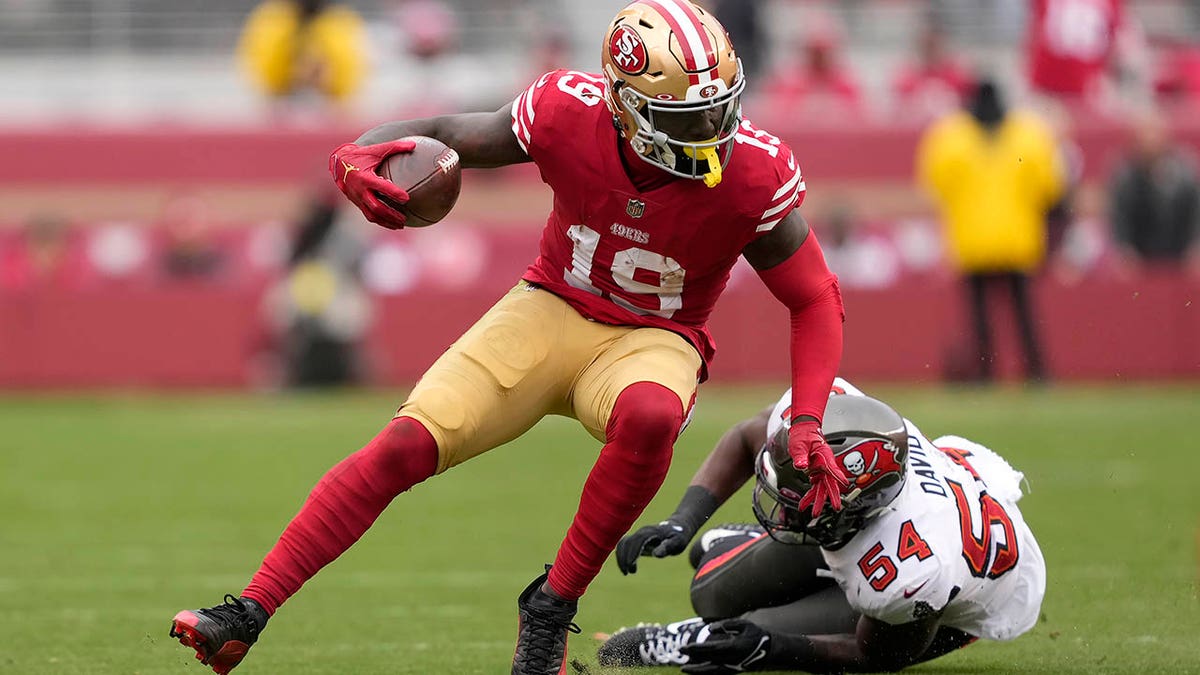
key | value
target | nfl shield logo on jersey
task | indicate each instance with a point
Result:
(635, 208)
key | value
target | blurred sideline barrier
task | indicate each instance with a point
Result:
(141, 327)
(197, 332)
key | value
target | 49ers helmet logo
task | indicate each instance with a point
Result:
(627, 50)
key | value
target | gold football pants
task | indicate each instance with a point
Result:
(533, 355)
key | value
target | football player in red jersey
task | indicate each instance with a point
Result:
(659, 185)
(1071, 44)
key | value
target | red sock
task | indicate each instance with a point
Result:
(632, 465)
(345, 502)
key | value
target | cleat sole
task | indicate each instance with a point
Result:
(184, 628)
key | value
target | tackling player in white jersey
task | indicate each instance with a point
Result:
(929, 553)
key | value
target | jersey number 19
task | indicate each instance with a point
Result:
(666, 295)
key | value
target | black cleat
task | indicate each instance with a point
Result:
(649, 644)
(543, 624)
(223, 634)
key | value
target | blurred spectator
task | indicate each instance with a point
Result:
(1086, 247)
(994, 175)
(120, 253)
(1177, 81)
(290, 48)
(815, 86)
(320, 308)
(743, 21)
(935, 83)
(1155, 199)
(860, 259)
(190, 251)
(43, 254)
(918, 243)
(429, 28)
(1061, 219)
(1071, 46)
(429, 33)
(551, 52)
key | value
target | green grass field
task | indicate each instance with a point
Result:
(116, 511)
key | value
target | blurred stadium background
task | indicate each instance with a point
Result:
(151, 173)
(173, 264)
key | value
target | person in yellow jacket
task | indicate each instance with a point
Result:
(292, 46)
(995, 175)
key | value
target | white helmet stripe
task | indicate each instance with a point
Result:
(684, 21)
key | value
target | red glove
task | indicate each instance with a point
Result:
(811, 454)
(354, 170)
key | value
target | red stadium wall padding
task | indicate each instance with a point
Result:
(213, 336)
(160, 337)
(1148, 328)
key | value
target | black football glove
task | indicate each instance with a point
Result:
(670, 537)
(731, 646)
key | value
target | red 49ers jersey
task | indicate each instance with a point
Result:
(656, 258)
(1070, 43)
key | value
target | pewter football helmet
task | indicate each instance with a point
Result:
(869, 442)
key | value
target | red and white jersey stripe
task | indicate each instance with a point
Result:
(523, 113)
(790, 194)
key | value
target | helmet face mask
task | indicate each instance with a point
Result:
(653, 141)
(664, 59)
(869, 440)
(777, 510)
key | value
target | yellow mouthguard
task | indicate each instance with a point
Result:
(713, 177)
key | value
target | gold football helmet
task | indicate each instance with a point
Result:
(669, 63)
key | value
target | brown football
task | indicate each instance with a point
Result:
(431, 174)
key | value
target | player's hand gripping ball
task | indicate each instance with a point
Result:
(409, 182)
(431, 175)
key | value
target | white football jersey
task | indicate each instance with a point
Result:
(932, 549)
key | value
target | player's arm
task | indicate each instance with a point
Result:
(483, 140)
(727, 468)
(789, 260)
(779, 244)
(875, 646)
(480, 139)
(731, 462)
